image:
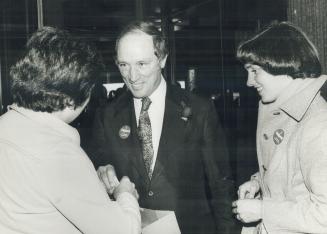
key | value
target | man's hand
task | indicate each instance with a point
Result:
(125, 186)
(248, 189)
(248, 210)
(107, 175)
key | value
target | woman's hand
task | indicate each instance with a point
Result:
(125, 185)
(248, 189)
(247, 210)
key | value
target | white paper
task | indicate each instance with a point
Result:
(159, 222)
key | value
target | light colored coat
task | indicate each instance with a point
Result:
(48, 184)
(292, 157)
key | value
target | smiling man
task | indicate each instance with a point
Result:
(139, 64)
(165, 139)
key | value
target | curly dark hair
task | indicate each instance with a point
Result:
(282, 49)
(56, 71)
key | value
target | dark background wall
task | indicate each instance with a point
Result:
(203, 36)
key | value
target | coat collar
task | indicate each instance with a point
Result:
(50, 121)
(174, 126)
(304, 92)
(123, 102)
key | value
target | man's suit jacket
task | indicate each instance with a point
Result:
(190, 172)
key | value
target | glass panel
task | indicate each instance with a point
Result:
(18, 20)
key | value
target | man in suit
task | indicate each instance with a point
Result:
(166, 140)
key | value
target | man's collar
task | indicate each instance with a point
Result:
(160, 92)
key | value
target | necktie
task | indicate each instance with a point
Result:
(145, 135)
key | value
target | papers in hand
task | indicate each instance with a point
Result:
(159, 222)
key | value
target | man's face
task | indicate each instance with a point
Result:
(138, 64)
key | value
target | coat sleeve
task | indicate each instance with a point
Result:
(71, 184)
(216, 161)
(306, 214)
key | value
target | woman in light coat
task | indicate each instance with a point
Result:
(288, 194)
(48, 185)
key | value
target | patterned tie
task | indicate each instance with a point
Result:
(145, 135)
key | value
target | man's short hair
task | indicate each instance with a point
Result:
(56, 71)
(282, 49)
(147, 27)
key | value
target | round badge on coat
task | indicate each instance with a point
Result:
(278, 136)
(124, 132)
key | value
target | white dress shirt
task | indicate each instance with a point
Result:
(156, 114)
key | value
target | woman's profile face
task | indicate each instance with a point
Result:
(269, 86)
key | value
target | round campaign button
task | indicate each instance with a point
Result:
(278, 136)
(124, 132)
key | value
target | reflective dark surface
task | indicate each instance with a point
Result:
(202, 34)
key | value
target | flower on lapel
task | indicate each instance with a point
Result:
(124, 132)
(186, 111)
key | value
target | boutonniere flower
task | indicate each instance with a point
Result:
(124, 132)
(186, 112)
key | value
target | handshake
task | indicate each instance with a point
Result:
(107, 176)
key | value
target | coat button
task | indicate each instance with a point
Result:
(265, 136)
(150, 193)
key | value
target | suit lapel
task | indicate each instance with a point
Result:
(125, 116)
(173, 130)
(172, 135)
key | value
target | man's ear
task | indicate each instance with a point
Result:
(163, 61)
